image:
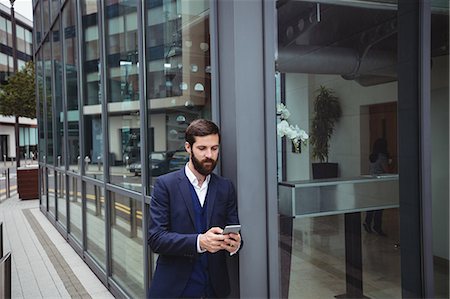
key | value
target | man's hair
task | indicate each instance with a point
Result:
(200, 127)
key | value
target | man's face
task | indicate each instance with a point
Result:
(204, 153)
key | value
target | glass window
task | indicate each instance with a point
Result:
(61, 197)
(55, 8)
(48, 96)
(43, 187)
(127, 244)
(123, 93)
(20, 33)
(440, 145)
(95, 223)
(3, 32)
(338, 190)
(37, 23)
(75, 204)
(45, 15)
(59, 107)
(51, 192)
(178, 78)
(92, 110)
(41, 99)
(71, 64)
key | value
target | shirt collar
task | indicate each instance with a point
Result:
(193, 179)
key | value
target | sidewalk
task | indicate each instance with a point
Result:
(43, 263)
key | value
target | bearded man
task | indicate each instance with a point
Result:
(188, 211)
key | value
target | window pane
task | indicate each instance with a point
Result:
(43, 187)
(127, 244)
(75, 204)
(123, 92)
(95, 223)
(49, 98)
(59, 109)
(41, 99)
(331, 189)
(178, 78)
(51, 192)
(440, 144)
(61, 194)
(92, 111)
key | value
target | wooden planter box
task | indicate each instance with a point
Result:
(28, 183)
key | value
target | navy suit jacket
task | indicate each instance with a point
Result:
(173, 236)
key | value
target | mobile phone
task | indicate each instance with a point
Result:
(231, 229)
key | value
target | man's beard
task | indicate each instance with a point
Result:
(201, 166)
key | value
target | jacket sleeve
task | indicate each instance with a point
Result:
(160, 237)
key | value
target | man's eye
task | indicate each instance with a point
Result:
(202, 148)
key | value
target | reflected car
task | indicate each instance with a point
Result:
(178, 160)
(158, 162)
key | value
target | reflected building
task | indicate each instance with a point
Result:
(119, 81)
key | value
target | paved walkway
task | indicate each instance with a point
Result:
(43, 263)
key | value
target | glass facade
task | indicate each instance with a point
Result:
(117, 90)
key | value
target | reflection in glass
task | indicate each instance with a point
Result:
(127, 244)
(179, 88)
(309, 60)
(43, 186)
(48, 97)
(440, 145)
(75, 208)
(95, 223)
(58, 73)
(71, 61)
(123, 93)
(61, 197)
(41, 99)
(51, 192)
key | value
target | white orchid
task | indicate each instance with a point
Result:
(294, 133)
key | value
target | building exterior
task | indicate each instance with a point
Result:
(24, 50)
(118, 81)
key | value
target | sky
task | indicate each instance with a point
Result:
(24, 7)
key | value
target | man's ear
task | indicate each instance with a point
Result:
(187, 147)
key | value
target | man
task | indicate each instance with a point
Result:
(189, 209)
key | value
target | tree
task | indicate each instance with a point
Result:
(18, 98)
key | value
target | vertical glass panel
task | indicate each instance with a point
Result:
(71, 63)
(61, 197)
(93, 137)
(55, 8)
(48, 96)
(37, 23)
(51, 192)
(440, 144)
(123, 92)
(45, 15)
(338, 189)
(59, 107)
(43, 186)
(20, 39)
(127, 244)
(95, 223)
(41, 99)
(178, 79)
(76, 228)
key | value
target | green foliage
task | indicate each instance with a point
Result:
(17, 95)
(327, 112)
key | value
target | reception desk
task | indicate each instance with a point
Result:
(348, 196)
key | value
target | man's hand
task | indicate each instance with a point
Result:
(212, 240)
(231, 242)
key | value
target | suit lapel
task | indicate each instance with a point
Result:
(186, 194)
(210, 198)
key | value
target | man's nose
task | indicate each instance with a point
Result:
(208, 153)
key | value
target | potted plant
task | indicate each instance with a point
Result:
(327, 111)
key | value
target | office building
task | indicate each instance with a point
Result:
(23, 48)
(118, 82)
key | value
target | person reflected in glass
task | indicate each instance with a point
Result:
(379, 164)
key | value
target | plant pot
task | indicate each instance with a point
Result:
(325, 170)
(28, 183)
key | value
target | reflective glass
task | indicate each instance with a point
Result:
(40, 85)
(45, 15)
(59, 107)
(75, 204)
(51, 192)
(440, 144)
(178, 79)
(43, 186)
(338, 189)
(37, 23)
(95, 223)
(123, 92)
(61, 197)
(71, 64)
(55, 7)
(127, 244)
(48, 97)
